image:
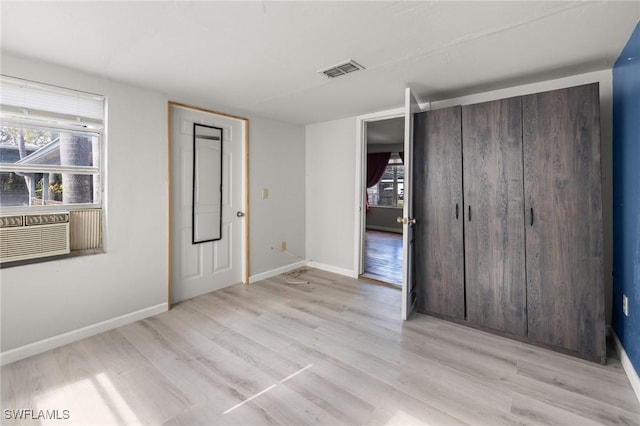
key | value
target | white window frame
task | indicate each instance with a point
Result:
(393, 161)
(16, 111)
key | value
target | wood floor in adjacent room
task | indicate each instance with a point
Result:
(330, 352)
(383, 256)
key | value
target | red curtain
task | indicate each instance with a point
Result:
(376, 165)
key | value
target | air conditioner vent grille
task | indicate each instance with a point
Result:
(11, 221)
(30, 242)
(45, 219)
(341, 69)
(54, 239)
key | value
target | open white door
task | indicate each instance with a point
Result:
(408, 279)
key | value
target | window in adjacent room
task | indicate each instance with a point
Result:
(389, 192)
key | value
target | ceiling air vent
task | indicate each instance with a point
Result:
(341, 69)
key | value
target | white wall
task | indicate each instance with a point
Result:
(384, 219)
(330, 173)
(43, 300)
(276, 162)
(328, 224)
(47, 304)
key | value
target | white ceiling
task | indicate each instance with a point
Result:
(390, 131)
(262, 57)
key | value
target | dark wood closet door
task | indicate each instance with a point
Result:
(494, 231)
(563, 208)
(437, 180)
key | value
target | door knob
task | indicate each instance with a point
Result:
(405, 220)
(240, 214)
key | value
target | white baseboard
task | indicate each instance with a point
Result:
(384, 228)
(274, 272)
(626, 364)
(334, 269)
(35, 348)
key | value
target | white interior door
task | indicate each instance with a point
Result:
(204, 267)
(408, 276)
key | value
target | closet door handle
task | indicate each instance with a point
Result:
(469, 213)
(456, 211)
(531, 216)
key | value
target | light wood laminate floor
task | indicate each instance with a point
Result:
(383, 256)
(330, 352)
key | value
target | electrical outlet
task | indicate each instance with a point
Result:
(265, 193)
(283, 245)
(625, 305)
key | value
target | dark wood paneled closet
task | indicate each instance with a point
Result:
(509, 218)
(438, 143)
(494, 244)
(561, 139)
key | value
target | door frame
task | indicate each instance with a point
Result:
(360, 192)
(245, 189)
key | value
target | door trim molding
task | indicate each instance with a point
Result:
(361, 158)
(245, 189)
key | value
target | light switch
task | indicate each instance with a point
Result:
(265, 193)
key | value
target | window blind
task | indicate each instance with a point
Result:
(23, 99)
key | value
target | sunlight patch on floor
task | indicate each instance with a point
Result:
(93, 400)
(404, 418)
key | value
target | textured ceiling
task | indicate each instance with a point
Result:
(262, 57)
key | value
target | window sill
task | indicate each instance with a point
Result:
(73, 254)
(24, 210)
(385, 207)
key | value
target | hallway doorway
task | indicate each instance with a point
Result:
(372, 170)
(384, 172)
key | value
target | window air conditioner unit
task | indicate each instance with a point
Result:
(25, 237)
